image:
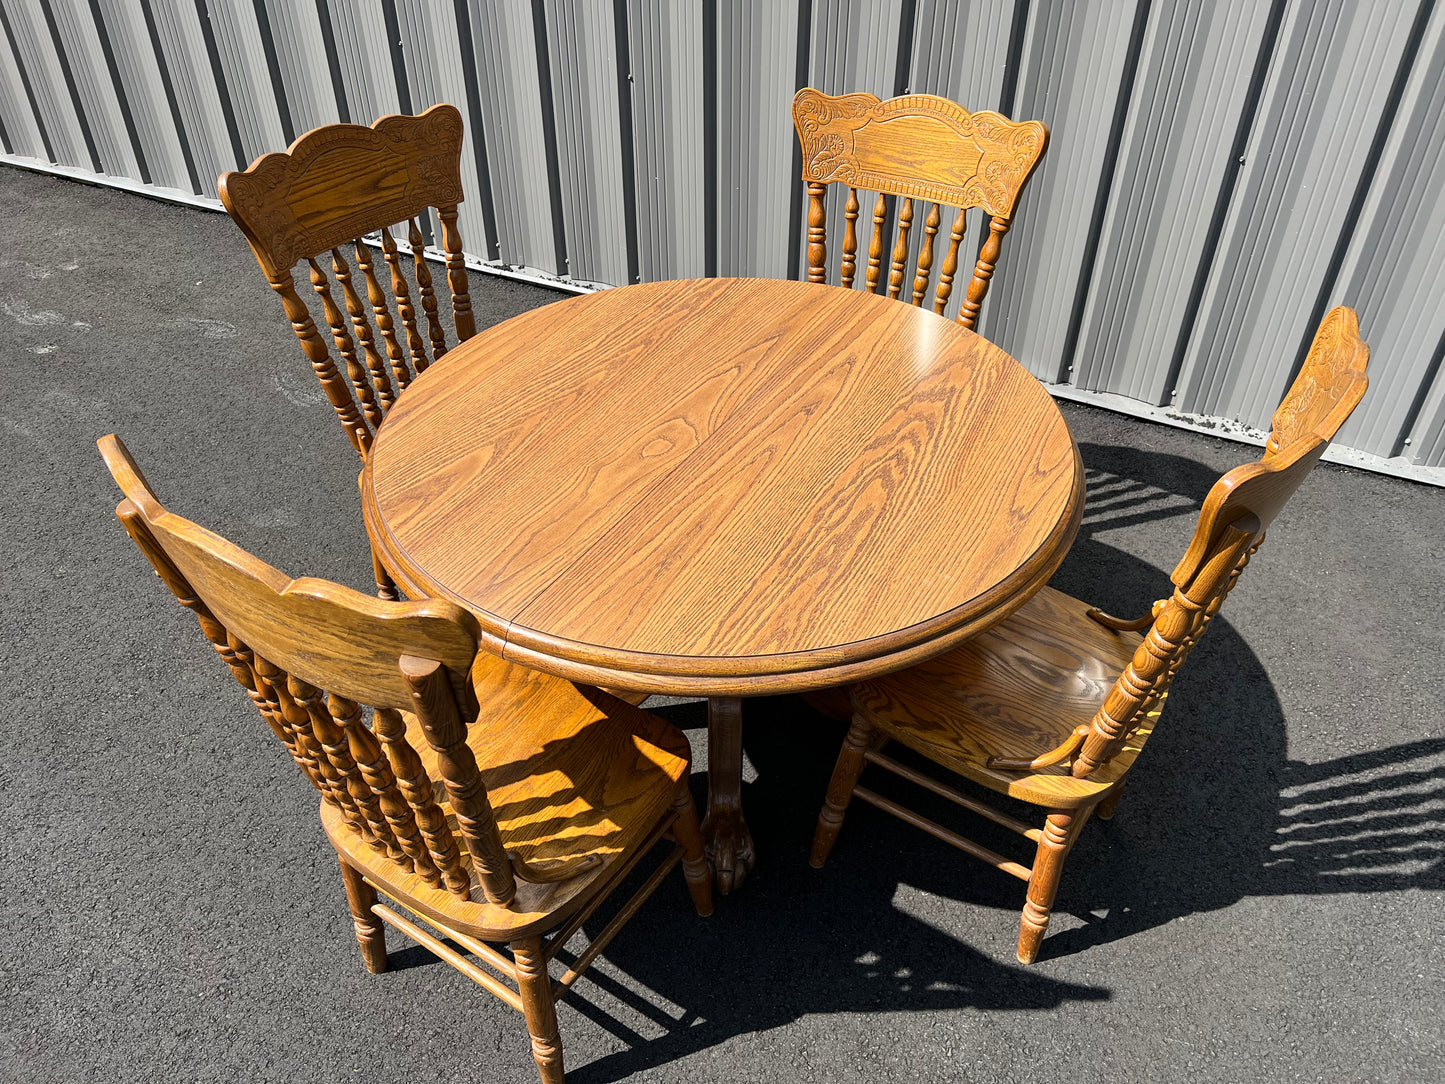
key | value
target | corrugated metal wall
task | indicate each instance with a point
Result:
(1220, 171)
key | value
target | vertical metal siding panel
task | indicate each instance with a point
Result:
(248, 79)
(359, 28)
(1322, 101)
(757, 46)
(1195, 67)
(1072, 65)
(301, 58)
(582, 42)
(668, 131)
(179, 31)
(52, 99)
(511, 107)
(81, 41)
(434, 75)
(140, 75)
(1429, 445)
(20, 123)
(855, 50)
(1394, 269)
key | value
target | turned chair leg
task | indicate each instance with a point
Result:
(695, 865)
(840, 789)
(1060, 831)
(539, 1008)
(385, 585)
(370, 930)
(1106, 808)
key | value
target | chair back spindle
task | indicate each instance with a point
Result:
(315, 658)
(917, 146)
(333, 187)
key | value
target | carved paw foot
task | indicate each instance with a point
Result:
(729, 848)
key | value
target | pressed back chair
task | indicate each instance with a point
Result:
(492, 803)
(332, 187)
(914, 147)
(1054, 705)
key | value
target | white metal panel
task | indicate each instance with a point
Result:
(583, 57)
(757, 42)
(15, 113)
(81, 42)
(435, 75)
(47, 82)
(1195, 68)
(184, 54)
(1073, 60)
(668, 127)
(140, 76)
(1329, 80)
(1394, 269)
(301, 59)
(507, 77)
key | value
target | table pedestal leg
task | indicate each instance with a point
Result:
(729, 844)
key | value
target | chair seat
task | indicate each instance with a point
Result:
(1018, 690)
(570, 771)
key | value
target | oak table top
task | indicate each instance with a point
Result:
(725, 487)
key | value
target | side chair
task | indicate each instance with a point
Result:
(1053, 705)
(915, 147)
(324, 194)
(490, 802)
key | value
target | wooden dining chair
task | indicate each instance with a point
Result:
(914, 147)
(334, 186)
(1054, 705)
(490, 802)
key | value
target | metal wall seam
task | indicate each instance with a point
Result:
(22, 130)
(583, 51)
(1073, 62)
(430, 41)
(757, 41)
(123, 23)
(99, 100)
(359, 30)
(1394, 269)
(669, 130)
(1322, 98)
(42, 68)
(198, 99)
(1195, 67)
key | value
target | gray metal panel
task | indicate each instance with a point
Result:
(15, 111)
(666, 45)
(1195, 68)
(757, 53)
(582, 48)
(507, 78)
(364, 57)
(435, 75)
(81, 42)
(1428, 445)
(1073, 60)
(1328, 82)
(135, 61)
(248, 78)
(184, 53)
(42, 65)
(1394, 269)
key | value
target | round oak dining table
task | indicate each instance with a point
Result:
(725, 488)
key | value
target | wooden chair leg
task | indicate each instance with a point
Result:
(695, 866)
(539, 1008)
(370, 930)
(1106, 808)
(1060, 831)
(840, 789)
(385, 585)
